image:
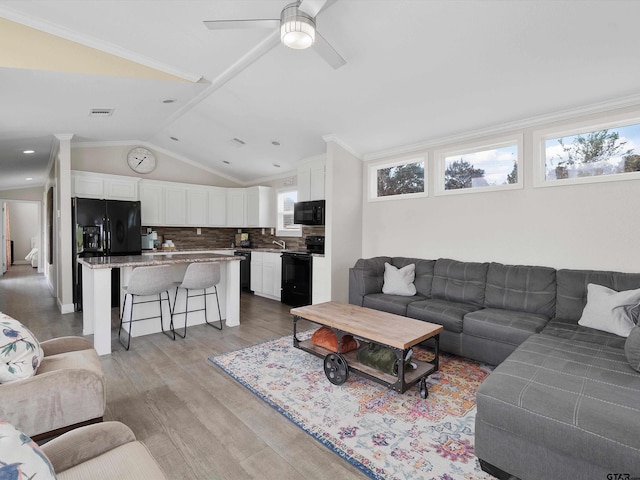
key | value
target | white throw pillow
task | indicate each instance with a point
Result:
(20, 352)
(611, 311)
(21, 457)
(399, 281)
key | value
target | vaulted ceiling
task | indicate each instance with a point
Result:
(416, 70)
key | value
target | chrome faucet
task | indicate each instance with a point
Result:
(280, 244)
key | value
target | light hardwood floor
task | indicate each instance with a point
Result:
(196, 421)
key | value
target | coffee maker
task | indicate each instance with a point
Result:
(148, 240)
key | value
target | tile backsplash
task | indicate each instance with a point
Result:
(186, 238)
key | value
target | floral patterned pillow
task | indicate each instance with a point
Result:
(20, 352)
(21, 457)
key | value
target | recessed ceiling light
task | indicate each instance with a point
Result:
(28, 152)
(169, 100)
(29, 178)
(275, 143)
(226, 162)
(276, 165)
(174, 139)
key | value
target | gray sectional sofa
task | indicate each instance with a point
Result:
(563, 401)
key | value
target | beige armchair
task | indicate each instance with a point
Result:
(107, 450)
(67, 391)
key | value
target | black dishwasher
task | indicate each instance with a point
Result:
(296, 279)
(245, 270)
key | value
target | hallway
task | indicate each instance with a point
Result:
(25, 296)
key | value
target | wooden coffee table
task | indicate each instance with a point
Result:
(370, 326)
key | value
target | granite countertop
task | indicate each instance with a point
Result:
(238, 249)
(154, 259)
(279, 250)
(266, 250)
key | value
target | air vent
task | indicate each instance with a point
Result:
(101, 112)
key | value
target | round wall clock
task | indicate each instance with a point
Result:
(141, 160)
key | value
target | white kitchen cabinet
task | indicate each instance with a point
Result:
(266, 274)
(87, 186)
(182, 204)
(256, 272)
(311, 179)
(121, 189)
(151, 203)
(321, 280)
(217, 206)
(272, 275)
(99, 185)
(236, 207)
(175, 199)
(197, 207)
(260, 207)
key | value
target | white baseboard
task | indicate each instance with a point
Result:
(66, 308)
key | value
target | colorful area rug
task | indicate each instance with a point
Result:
(385, 434)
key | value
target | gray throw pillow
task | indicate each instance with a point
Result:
(632, 348)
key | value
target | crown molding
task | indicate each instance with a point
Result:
(280, 176)
(63, 136)
(568, 114)
(105, 143)
(95, 43)
(334, 138)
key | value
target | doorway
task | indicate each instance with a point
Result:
(20, 233)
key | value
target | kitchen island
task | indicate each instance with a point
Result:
(96, 291)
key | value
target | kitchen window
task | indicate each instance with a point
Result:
(480, 167)
(398, 179)
(285, 200)
(588, 153)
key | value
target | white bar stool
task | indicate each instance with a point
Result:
(147, 281)
(199, 276)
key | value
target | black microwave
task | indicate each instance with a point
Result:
(308, 213)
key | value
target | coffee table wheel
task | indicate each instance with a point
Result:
(424, 391)
(336, 368)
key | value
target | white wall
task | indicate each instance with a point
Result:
(343, 230)
(588, 226)
(34, 193)
(113, 160)
(24, 222)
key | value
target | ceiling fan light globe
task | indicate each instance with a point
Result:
(297, 29)
(298, 40)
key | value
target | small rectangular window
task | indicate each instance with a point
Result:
(286, 227)
(596, 153)
(399, 179)
(479, 168)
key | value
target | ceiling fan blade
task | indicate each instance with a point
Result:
(237, 24)
(311, 7)
(327, 52)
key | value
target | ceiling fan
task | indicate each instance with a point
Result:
(297, 27)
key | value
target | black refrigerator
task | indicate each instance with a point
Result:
(103, 228)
